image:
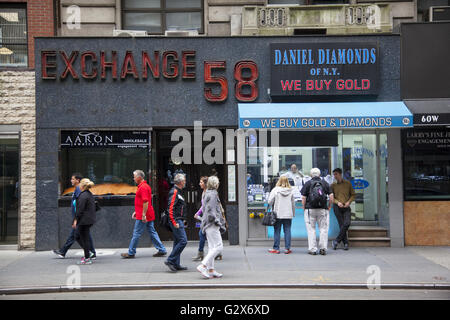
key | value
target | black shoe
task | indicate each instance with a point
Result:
(171, 266)
(323, 252)
(345, 246)
(160, 254)
(59, 254)
(181, 268)
(313, 253)
(334, 243)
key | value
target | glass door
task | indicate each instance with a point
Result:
(9, 189)
(359, 166)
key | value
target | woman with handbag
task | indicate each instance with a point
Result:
(84, 218)
(213, 224)
(282, 200)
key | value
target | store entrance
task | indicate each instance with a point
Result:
(164, 169)
(9, 189)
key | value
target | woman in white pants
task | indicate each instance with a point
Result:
(212, 224)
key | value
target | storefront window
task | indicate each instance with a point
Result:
(106, 158)
(355, 153)
(426, 154)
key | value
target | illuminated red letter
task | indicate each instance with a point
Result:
(128, 62)
(172, 66)
(154, 68)
(246, 81)
(188, 64)
(45, 65)
(106, 64)
(222, 81)
(84, 74)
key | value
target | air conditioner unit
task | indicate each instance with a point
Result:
(181, 33)
(440, 13)
(129, 33)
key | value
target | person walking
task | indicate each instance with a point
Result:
(282, 200)
(176, 208)
(213, 223)
(84, 218)
(198, 216)
(145, 218)
(344, 195)
(75, 181)
(316, 210)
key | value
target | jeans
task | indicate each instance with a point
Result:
(344, 218)
(139, 228)
(202, 237)
(82, 237)
(179, 243)
(286, 223)
(71, 240)
(215, 246)
(322, 218)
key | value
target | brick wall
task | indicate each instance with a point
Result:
(17, 107)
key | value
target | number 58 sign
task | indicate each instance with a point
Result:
(245, 76)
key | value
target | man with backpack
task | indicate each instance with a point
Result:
(316, 208)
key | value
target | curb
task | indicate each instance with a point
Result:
(128, 287)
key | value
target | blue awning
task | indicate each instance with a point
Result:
(335, 115)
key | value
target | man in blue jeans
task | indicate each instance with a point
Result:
(75, 181)
(176, 208)
(145, 217)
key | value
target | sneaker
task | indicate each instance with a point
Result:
(181, 268)
(334, 243)
(274, 251)
(127, 256)
(171, 266)
(313, 253)
(92, 256)
(323, 252)
(287, 251)
(204, 272)
(59, 254)
(85, 261)
(215, 274)
(345, 246)
(160, 254)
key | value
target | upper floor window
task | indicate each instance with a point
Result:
(13, 37)
(158, 16)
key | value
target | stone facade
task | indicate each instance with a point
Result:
(17, 107)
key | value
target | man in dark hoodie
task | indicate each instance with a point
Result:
(177, 215)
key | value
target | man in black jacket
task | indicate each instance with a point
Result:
(176, 208)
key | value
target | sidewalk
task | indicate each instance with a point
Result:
(242, 267)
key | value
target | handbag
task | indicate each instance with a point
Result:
(269, 218)
(165, 221)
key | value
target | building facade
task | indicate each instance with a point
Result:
(22, 221)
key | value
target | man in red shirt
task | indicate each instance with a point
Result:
(145, 217)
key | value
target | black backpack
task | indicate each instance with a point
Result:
(317, 196)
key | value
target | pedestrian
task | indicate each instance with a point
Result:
(282, 200)
(198, 215)
(213, 223)
(344, 195)
(145, 218)
(176, 208)
(75, 181)
(316, 210)
(84, 218)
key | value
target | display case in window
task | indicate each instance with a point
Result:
(108, 158)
